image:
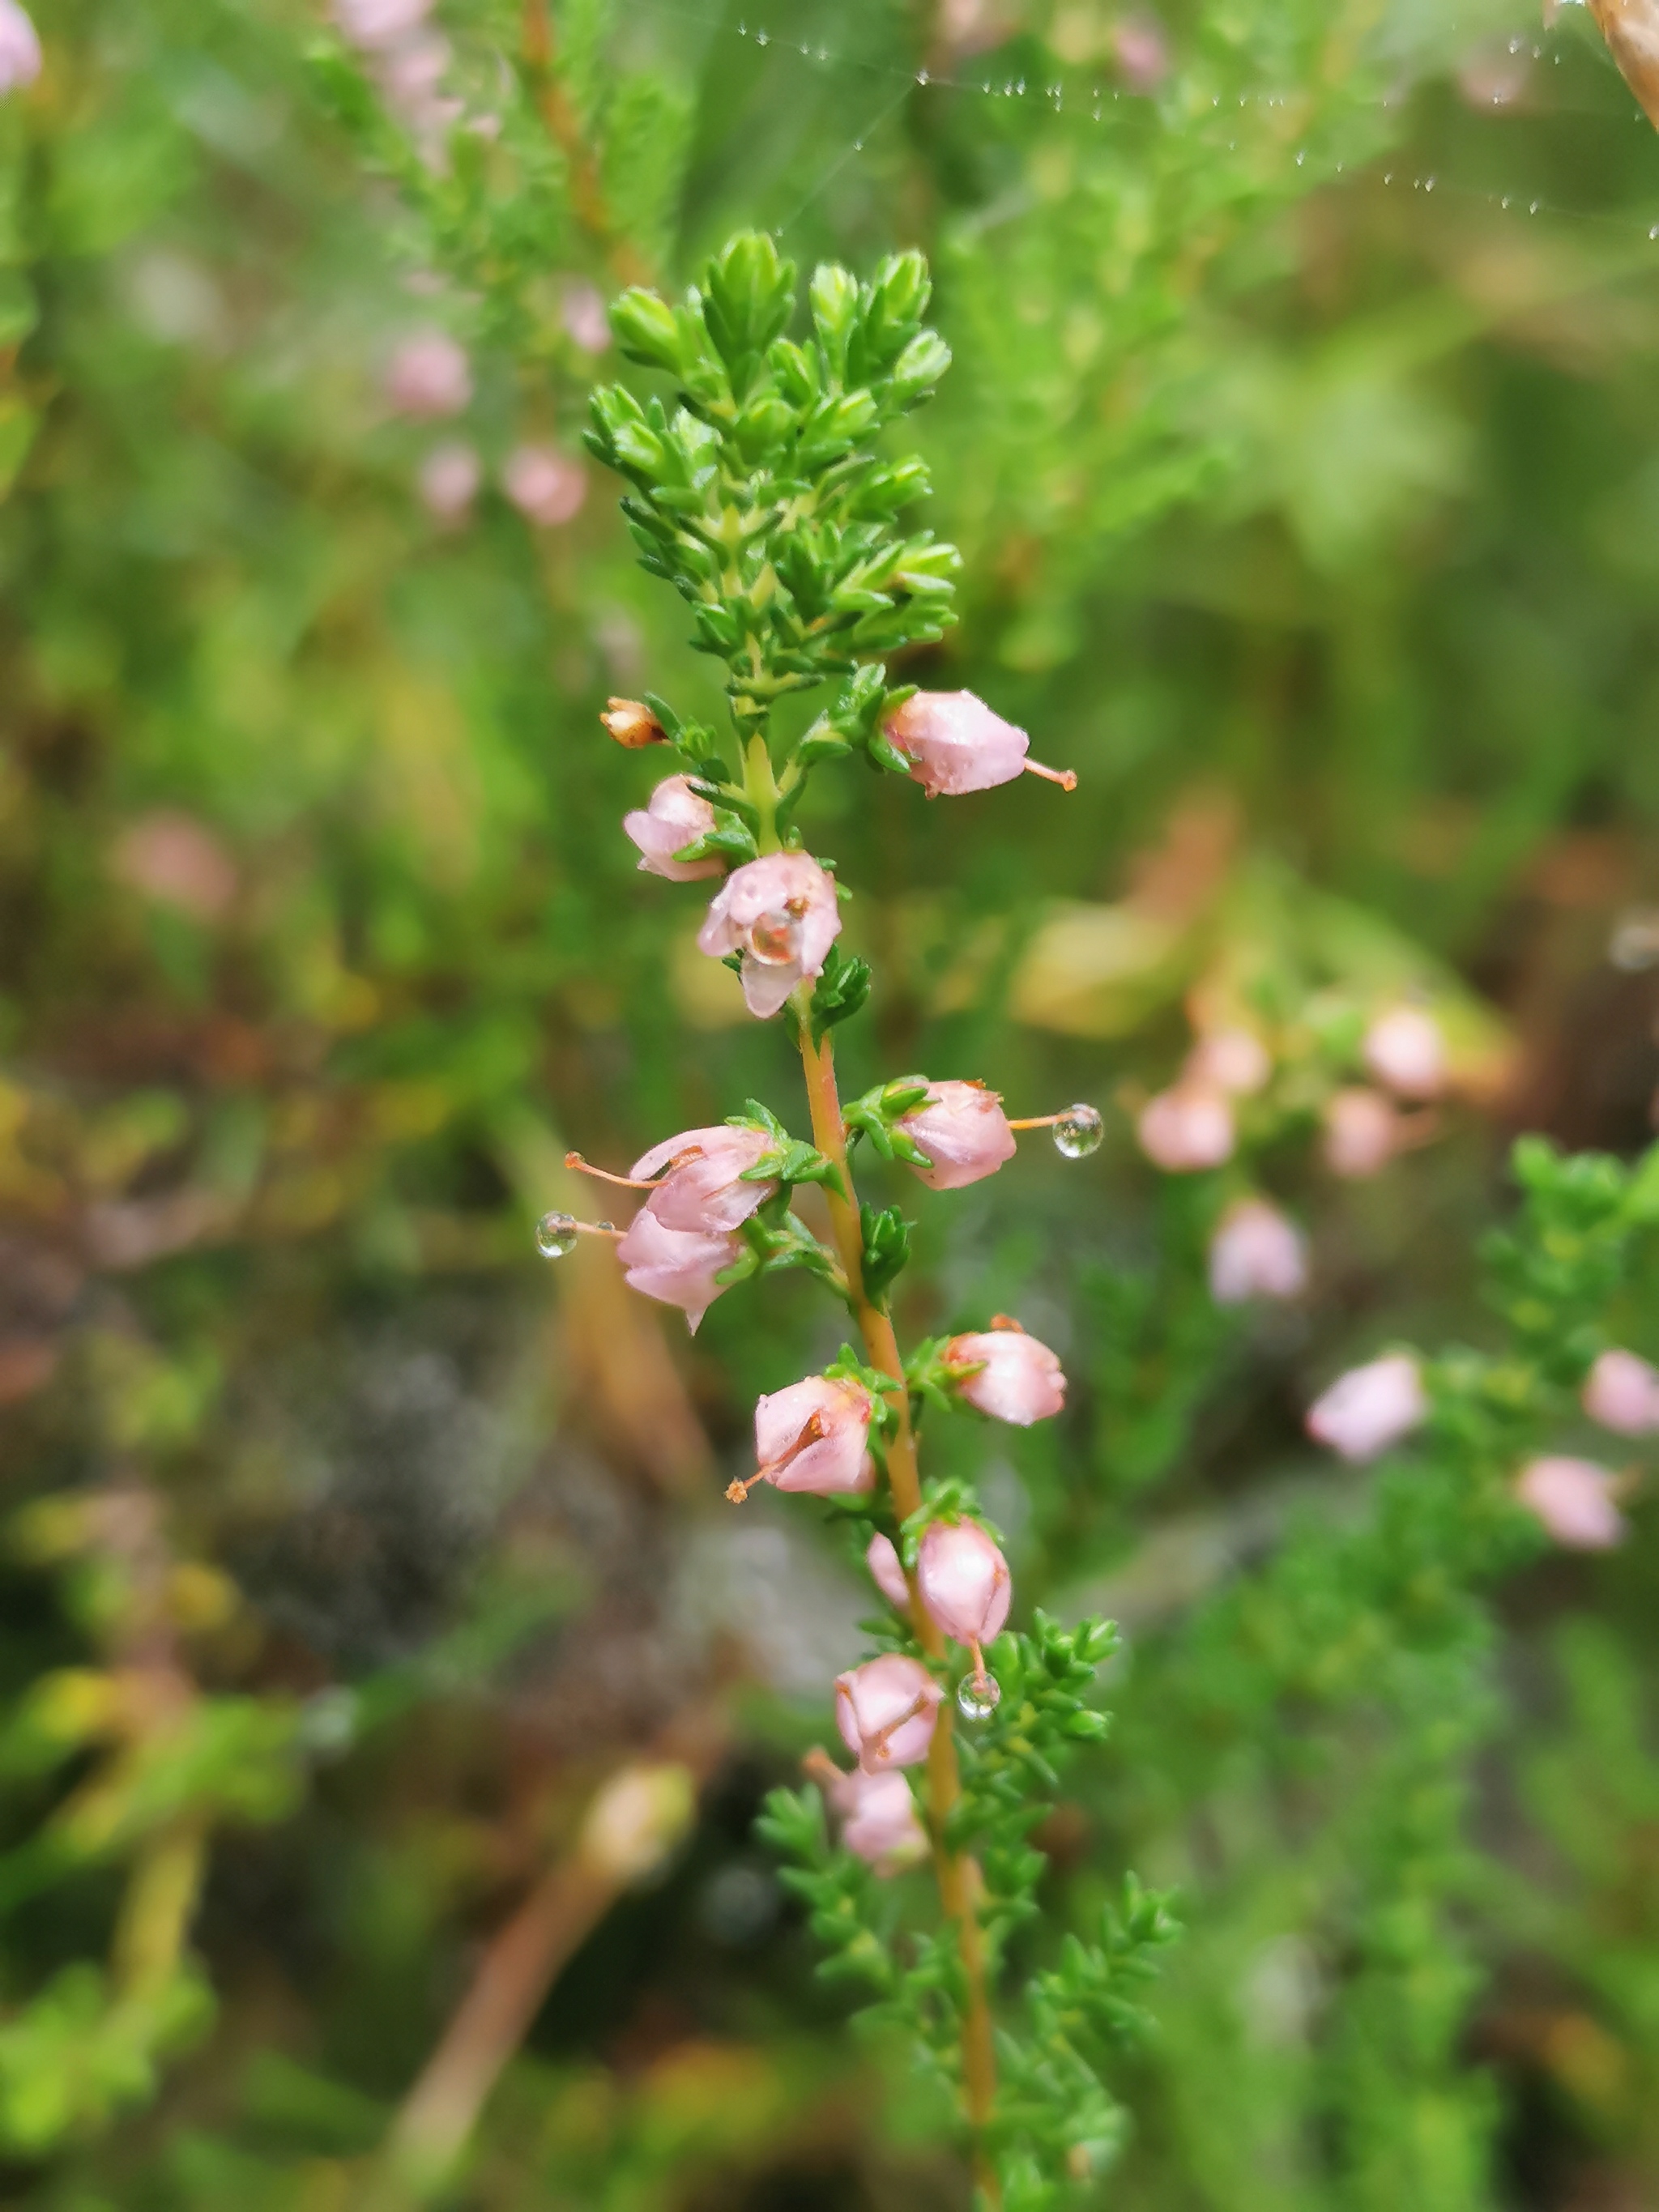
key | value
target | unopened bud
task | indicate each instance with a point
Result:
(636, 1819)
(632, 723)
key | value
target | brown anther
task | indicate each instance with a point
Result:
(738, 1492)
(1007, 1321)
(632, 723)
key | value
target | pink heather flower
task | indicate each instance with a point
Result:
(672, 819)
(375, 25)
(1142, 53)
(1362, 1132)
(886, 1711)
(546, 486)
(1186, 1128)
(582, 313)
(1573, 1498)
(1405, 1051)
(1622, 1393)
(176, 860)
(812, 1437)
(1019, 1380)
(1256, 1253)
(1229, 1060)
(879, 1821)
(703, 1190)
(887, 1574)
(963, 1131)
(409, 77)
(20, 48)
(955, 743)
(676, 1265)
(964, 1582)
(782, 914)
(448, 481)
(1370, 1407)
(429, 376)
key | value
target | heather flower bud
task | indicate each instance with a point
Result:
(428, 376)
(962, 1128)
(1017, 1379)
(1256, 1253)
(886, 1572)
(1370, 1407)
(813, 1437)
(1233, 1060)
(886, 1711)
(1362, 1132)
(448, 481)
(1187, 1129)
(955, 743)
(581, 311)
(20, 48)
(703, 1170)
(546, 486)
(1621, 1393)
(781, 914)
(378, 26)
(1405, 1051)
(964, 1582)
(879, 1814)
(672, 819)
(677, 1267)
(1573, 1498)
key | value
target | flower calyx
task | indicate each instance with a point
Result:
(879, 1115)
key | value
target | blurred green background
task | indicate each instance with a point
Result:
(1302, 450)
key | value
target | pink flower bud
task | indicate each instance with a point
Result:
(546, 486)
(20, 48)
(1362, 1132)
(675, 1266)
(176, 860)
(879, 1821)
(955, 743)
(1187, 1129)
(1622, 1393)
(964, 1582)
(886, 1711)
(1233, 1060)
(1370, 1407)
(428, 376)
(1142, 52)
(581, 311)
(887, 1574)
(1573, 1498)
(448, 481)
(1405, 1050)
(673, 819)
(963, 1131)
(1018, 1380)
(1256, 1253)
(812, 1437)
(782, 914)
(703, 1189)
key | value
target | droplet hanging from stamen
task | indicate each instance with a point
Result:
(978, 1696)
(1078, 1131)
(556, 1235)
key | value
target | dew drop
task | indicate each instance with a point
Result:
(556, 1235)
(921, 77)
(1654, 232)
(775, 938)
(979, 1699)
(1077, 1133)
(605, 1228)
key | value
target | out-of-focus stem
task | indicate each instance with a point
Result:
(586, 196)
(158, 1907)
(957, 1872)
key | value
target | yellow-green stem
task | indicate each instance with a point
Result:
(957, 1873)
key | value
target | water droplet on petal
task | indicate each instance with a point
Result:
(979, 1699)
(774, 939)
(556, 1235)
(1077, 1133)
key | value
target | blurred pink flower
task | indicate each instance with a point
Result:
(675, 1266)
(1019, 1380)
(1370, 1407)
(429, 376)
(374, 26)
(449, 479)
(672, 819)
(1405, 1051)
(887, 1573)
(963, 1131)
(20, 48)
(582, 312)
(1621, 1393)
(1573, 1498)
(878, 1812)
(1186, 1128)
(1142, 52)
(956, 743)
(782, 914)
(1228, 1059)
(1362, 1132)
(546, 486)
(176, 860)
(1256, 1253)
(886, 1711)
(964, 1582)
(703, 1190)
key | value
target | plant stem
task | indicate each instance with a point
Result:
(957, 1872)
